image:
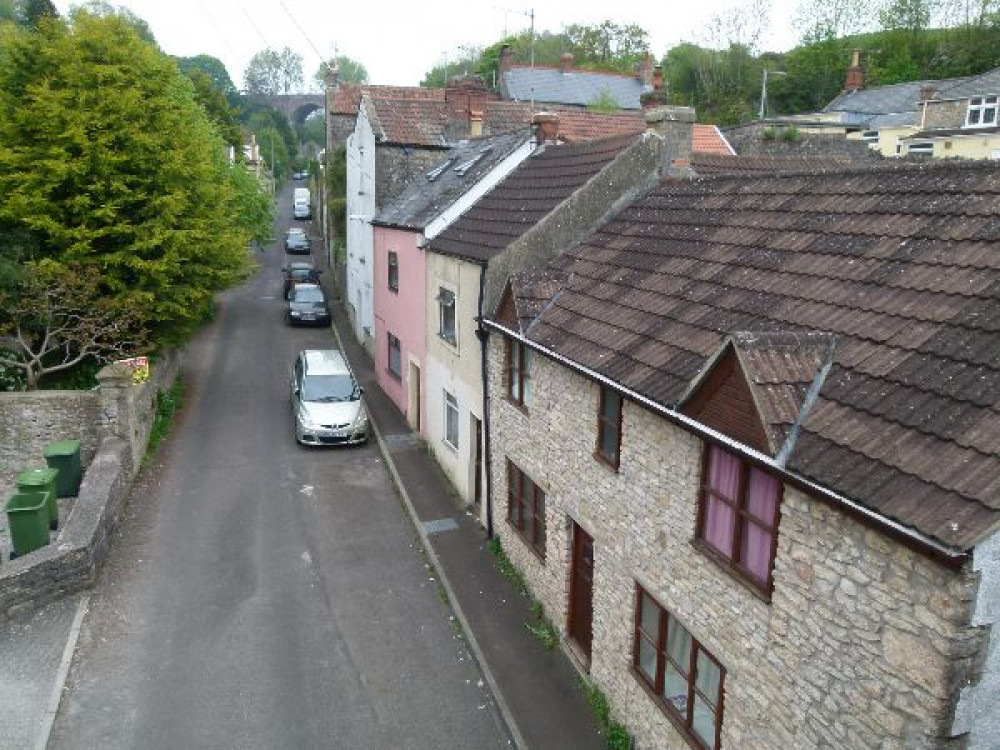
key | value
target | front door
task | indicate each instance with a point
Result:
(581, 593)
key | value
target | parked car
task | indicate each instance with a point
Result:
(307, 305)
(297, 242)
(299, 272)
(328, 405)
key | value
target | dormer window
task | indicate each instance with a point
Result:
(982, 112)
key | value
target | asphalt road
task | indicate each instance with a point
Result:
(262, 595)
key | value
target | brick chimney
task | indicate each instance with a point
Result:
(657, 81)
(927, 92)
(855, 73)
(465, 94)
(646, 70)
(676, 126)
(546, 126)
(506, 58)
(476, 124)
(566, 61)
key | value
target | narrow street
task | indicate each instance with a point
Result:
(263, 595)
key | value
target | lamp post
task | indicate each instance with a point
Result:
(763, 90)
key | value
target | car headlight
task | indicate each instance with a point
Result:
(295, 313)
(361, 417)
(306, 423)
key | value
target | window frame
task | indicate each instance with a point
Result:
(443, 294)
(612, 461)
(980, 105)
(518, 377)
(731, 562)
(390, 339)
(683, 724)
(450, 403)
(519, 507)
(392, 272)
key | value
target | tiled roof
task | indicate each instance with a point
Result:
(575, 86)
(461, 167)
(348, 97)
(539, 184)
(532, 290)
(413, 122)
(752, 164)
(900, 265)
(708, 139)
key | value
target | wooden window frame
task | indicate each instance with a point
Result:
(613, 462)
(517, 378)
(683, 724)
(518, 506)
(392, 272)
(390, 338)
(732, 563)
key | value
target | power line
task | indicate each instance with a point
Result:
(239, 4)
(301, 30)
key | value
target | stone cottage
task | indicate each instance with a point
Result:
(745, 446)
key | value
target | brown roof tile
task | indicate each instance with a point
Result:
(900, 265)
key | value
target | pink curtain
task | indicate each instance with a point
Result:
(720, 517)
(761, 503)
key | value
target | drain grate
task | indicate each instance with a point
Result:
(442, 524)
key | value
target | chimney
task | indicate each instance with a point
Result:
(476, 124)
(676, 126)
(855, 73)
(566, 61)
(927, 92)
(546, 128)
(506, 59)
(331, 76)
(646, 70)
(657, 78)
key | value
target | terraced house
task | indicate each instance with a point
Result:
(745, 436)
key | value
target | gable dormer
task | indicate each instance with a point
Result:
(758, 388)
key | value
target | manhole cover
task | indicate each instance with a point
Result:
(442, 524)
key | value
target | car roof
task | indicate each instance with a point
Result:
(296, 230)
(324, 362)
(308, 285)
(301, 265)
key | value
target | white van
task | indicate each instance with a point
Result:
(301, 208)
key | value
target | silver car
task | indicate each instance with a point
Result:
(328, 405)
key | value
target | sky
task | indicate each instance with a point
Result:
(398, 41)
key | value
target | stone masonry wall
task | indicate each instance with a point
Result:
(30, 421)
(949, 114)
(748, 140)
(865, 643)
(397, 165)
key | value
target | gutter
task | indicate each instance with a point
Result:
(483, 336)
(917, 540)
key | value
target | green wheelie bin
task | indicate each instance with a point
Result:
(42, 481)
(28, 518)
(64, 455)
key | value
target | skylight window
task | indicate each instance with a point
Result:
(440, 169)
(461, 169)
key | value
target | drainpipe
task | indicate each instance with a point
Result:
(483, 335)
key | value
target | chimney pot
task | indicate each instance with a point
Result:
(657, 78)
(546, 127)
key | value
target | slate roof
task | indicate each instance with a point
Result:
(901, 265)
(987, 83)
(881, 100)
(430, 193)
(944, 132)
(539, 184)
(575, 86)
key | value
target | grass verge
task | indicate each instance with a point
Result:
(167, 404)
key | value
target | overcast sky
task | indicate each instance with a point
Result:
(399, 40)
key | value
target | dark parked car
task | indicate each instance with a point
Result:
(299, 272)
(297, 242)
(307, 306)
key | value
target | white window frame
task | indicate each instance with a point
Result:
(444, 293)
(450, 410)
(980, 107)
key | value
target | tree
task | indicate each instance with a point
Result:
(260, 119)
(216, 106)
(7, 10)
(348, 71)
(467, 60)
(108, 162)
(30, 13)
(274, 151)
(215, 69)
(273, 72)
(254, 209)
(58, 317)
(102, 9)
(608, 46)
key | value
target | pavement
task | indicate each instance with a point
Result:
(537, 689)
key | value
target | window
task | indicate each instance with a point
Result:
(395, 358)
(686, 679)
(393, 271)
(446, 314)
(450, 420)
(739, 515)
(920, 149)
(526, 508)
(518, 372)
(609, 427)
(982, 112)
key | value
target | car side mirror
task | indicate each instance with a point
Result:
(285, 269)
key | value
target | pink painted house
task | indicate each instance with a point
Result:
(427, 205)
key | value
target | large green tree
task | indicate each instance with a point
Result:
(274, 72)
(215, 69)
(108, 161)
(348, 71)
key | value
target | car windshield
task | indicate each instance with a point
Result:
(308, 294)
(324, 388)
(302, 273)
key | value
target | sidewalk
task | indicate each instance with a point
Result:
(537, 689)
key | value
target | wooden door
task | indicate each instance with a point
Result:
(581, 595)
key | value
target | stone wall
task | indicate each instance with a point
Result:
(864, 643)
(947, 114)
(748, 140)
